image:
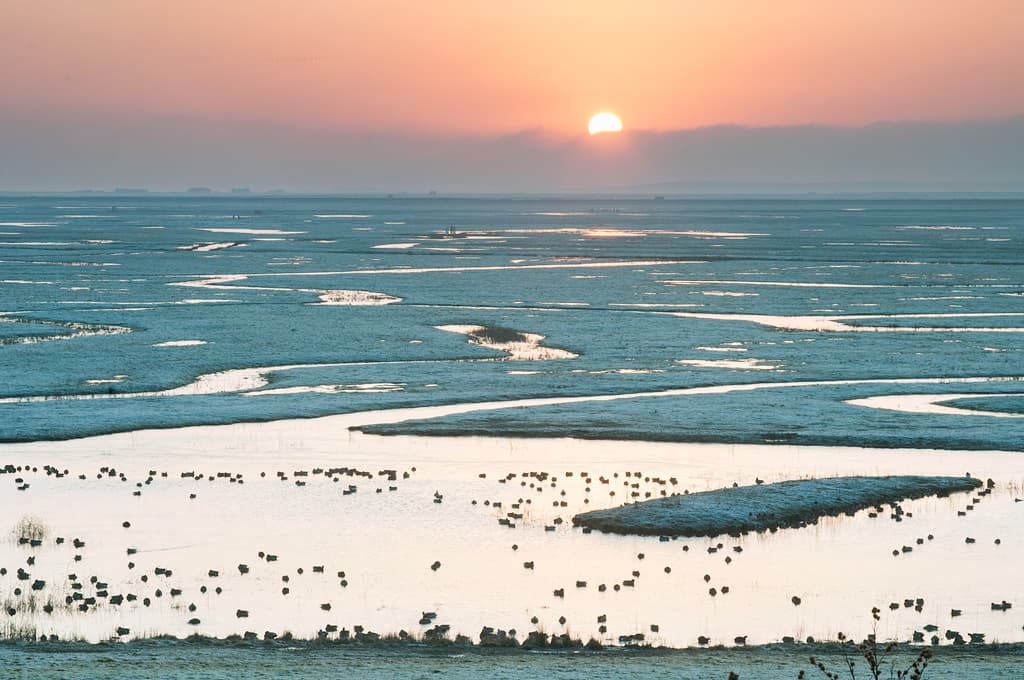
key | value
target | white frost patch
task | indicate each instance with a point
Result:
(787, 284)
(242, 379)
(209, 247)
(36, 243)
(78, 330)
(834, 323)
(737, 364)
(327, 297)
(106, 381)
(278, 232)
(946, 297)
(934, 403)
(723, 293)
(220, 280)
(180, 343)
(356, 298)
(652, 305)
(623, 371)
(528, 348)
(395, 246)
(357, 388)
(491, 268)
(607, 231)
(937, 228)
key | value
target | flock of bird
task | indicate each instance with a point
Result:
(82, 594)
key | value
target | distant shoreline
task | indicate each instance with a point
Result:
(639, 194)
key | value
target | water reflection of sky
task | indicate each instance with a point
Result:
(386, 542)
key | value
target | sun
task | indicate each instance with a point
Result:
(604, 122)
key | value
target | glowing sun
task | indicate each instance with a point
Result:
(604, 122)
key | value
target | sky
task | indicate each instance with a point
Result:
(451, 81)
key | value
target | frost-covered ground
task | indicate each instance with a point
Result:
(751, 338)
(185, 661)
(760, 507)
(628, 296)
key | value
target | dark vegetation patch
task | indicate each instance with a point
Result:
(498, 335)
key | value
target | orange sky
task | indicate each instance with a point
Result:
(482, 66)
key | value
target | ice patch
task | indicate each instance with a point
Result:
(327, 297)
(208, 247)
(395, 246)
(723, 293)
(517, 345)
(834, 324)
(934, 404)
(937, 228)
(180, 343)
(356, 298)
(278, 232)
(36, 243)
(788, 284)
(736, 364)
(608, 232)
(624, 371)
(342, 216)
(78, 330)
(357, 388)
(653, 305)
(106, 381)
(635, 232)
(219, 279)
